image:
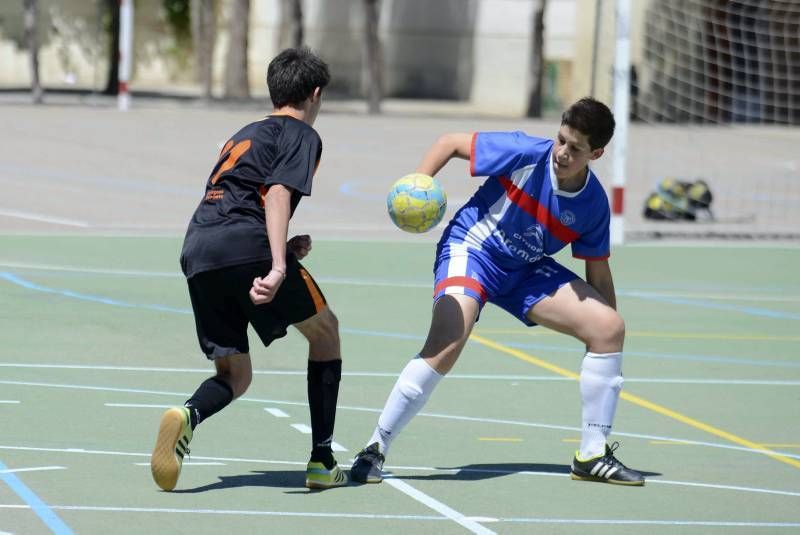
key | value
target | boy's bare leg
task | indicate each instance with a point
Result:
(452, 321)
(578, 309)
(453, 318)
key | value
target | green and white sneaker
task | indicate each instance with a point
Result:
(368, 465)
(605, 468)
(319, 477)
(172, 444)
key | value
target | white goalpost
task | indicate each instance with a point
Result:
(125, 53)
(621, 109)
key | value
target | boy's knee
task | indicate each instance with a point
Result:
(238, 379)
(617, 329)
(608, 334)
(322, 333)
(327, 326)
(244, 382)
(332, 322)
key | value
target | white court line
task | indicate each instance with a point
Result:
(718, 244)
(346, 281)
(423, 414)
(625, 522)
(191, 463)
(335, 446)
(138, 405)
(395, 468)
(96, 271)
(83, 451)
(437, 506)
(9, 401)
(393, 375)
(303, 428)
(229, 512)
(721, 487)
(32, 469)
(43, 218)
(233, 512)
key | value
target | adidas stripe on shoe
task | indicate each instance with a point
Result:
(172, 444)
(605, 469)
(319, 477)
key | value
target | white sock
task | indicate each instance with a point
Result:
(601, 382)
(409, 395)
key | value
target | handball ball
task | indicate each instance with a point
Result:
(416, 203)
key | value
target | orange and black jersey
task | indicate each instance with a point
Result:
(229, 225)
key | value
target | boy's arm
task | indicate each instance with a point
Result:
(598, 275)
(277, 205)
(445, 148)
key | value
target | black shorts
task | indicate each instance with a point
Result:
(222, 306)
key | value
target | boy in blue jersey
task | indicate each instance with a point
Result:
(539, 197)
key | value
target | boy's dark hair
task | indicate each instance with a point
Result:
(593, 119)
(293, 75)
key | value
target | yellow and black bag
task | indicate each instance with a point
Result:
(678, 200)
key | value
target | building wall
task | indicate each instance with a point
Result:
(474, 51)
(603, 21)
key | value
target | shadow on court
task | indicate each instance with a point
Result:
(279, 479)
(477, 472)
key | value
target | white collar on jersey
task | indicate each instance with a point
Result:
(554, 180)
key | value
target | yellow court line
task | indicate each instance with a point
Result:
(654, 334)
(664, 411)
(499, 439)
(714, 336)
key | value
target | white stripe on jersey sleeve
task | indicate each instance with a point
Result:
(483, 229)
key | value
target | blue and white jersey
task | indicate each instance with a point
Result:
(519, 215)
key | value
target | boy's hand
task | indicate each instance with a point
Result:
(300, 245)
(265, 288)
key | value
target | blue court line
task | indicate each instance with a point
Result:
(10, 277)
(753, 311)
(350, 189)
(36, 504)
(117, 184)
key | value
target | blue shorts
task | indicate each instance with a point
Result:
(472, 272)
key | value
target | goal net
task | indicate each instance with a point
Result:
(716, 96)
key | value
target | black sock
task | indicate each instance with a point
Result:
(213, 395)
(323, 390)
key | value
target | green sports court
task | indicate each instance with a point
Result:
(98, 338)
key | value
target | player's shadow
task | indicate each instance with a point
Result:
(477, 472)
(288, 479)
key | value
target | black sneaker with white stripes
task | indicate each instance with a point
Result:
(605, 469)
(368, 465)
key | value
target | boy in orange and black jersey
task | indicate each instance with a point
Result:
(241, 270)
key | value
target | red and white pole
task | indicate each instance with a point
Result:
(622, 84)
(125, 53)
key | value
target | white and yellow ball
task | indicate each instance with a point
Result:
(416, 203)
